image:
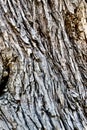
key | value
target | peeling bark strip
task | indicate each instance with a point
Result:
(43, 65)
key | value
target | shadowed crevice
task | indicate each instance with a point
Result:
(4, 81)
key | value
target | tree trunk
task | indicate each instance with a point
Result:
(43, 65)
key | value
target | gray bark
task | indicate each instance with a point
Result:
(43, 65)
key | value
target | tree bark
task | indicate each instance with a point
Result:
(43, 65)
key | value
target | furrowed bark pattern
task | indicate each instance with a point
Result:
(43, 65)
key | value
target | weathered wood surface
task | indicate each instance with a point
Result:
(43, 65)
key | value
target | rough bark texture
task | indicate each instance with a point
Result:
(43, 65)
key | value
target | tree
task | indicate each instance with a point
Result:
(43, 65)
